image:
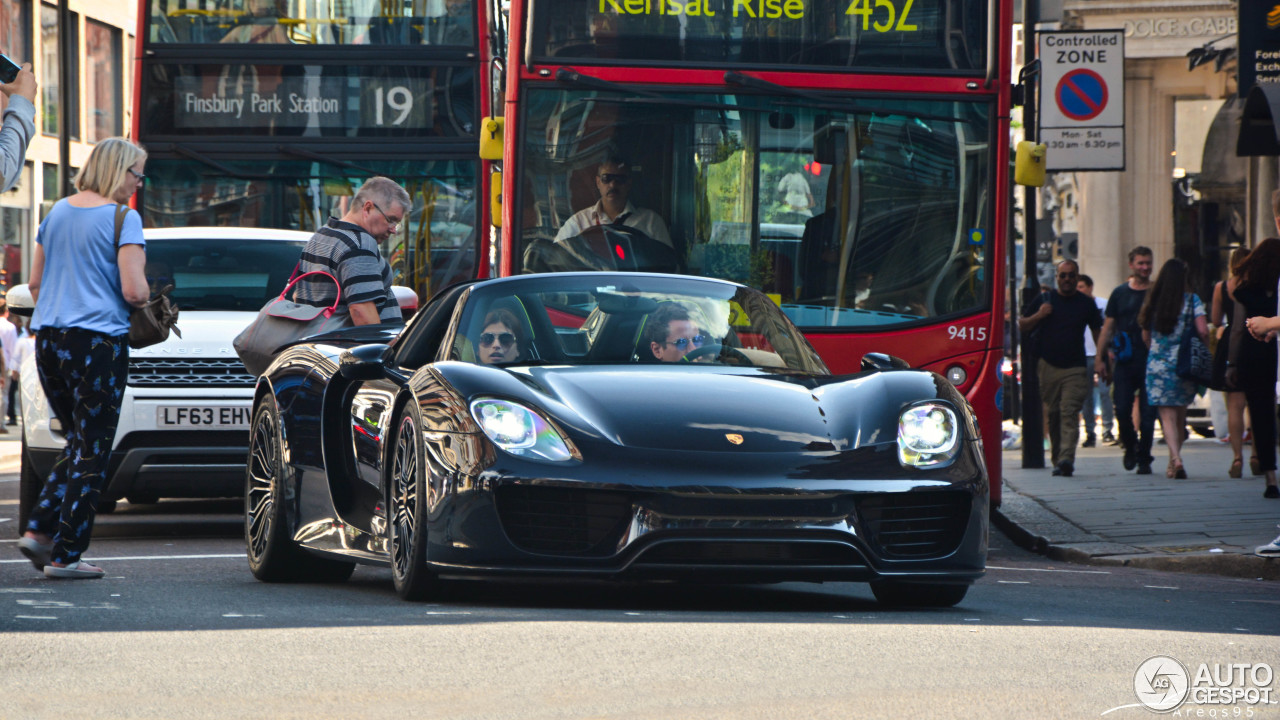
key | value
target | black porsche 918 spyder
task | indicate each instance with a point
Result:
(611, 425)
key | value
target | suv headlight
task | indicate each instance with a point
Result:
(928, 435)
(520, 431)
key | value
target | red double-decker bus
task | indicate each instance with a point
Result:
(849, 157)
(270, 113)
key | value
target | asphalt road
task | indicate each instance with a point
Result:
(180, 629)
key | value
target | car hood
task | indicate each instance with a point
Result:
(685, 408)
(205, 333)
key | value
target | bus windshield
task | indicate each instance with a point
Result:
(901, 35)
(850, 212)
(312, 22)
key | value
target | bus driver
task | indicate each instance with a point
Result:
(613, 180)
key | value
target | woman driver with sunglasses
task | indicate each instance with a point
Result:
(500, 341)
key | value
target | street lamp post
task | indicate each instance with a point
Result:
(66, 54)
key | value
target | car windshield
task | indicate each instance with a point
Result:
(222, 274)
(626, 319)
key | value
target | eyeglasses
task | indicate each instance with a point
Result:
(610, 178)
(137, 174)
(504, 338)
(1064, 276)
(393, 223)
(683, 343)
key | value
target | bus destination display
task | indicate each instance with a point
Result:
(891, 34)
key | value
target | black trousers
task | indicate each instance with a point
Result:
(83, 374)
(1261, 399)
(1129, 384)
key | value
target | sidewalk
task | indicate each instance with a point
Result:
(1103, 515)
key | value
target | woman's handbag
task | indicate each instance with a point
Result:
(1195, 362)
(151, 323)
(282, 321)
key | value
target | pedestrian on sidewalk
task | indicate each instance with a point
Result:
(1097, 402)
(1058, 319)
(1166, 314)
(1123, 361)
(1255, 373)
(1231, 332)
(84, 284)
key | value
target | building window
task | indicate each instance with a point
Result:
(49, 78)
(102, 80)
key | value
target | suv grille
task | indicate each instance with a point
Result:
(189, 372)
(915, 525)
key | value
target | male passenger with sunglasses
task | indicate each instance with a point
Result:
(1055, 322)
(671, 333)
(613, 180)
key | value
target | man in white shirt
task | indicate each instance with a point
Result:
(613, 180)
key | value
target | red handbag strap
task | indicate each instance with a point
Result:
(295, 280)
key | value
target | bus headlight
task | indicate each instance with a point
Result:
(519, 430)
(928, 435)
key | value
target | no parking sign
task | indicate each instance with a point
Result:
(1082, 99)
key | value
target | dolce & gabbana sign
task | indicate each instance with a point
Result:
(1163, 26)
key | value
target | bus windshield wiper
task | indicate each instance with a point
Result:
(318, 157)
(190, 154)
(573, 77)
(821, 102)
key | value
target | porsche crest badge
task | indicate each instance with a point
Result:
(734, 438)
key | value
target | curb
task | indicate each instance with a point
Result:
(1088, 549)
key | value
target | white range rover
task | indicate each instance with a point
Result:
(184, 424)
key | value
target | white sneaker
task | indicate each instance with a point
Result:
(1271, 549)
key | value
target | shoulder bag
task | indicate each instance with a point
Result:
(282, 321)
(1195, 362)
(151, 323)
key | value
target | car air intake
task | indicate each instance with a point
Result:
(562, 521)
(915, 525)
(792, 554)
(188, 372)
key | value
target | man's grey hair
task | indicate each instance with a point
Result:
(382, 191)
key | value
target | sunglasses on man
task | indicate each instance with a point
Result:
(683, 343)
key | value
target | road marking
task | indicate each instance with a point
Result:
(1160, 587)
(147, 557)
(1084, 572)
(35, 617)
(1014, 582)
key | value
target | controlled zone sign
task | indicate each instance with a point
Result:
(1081, 107)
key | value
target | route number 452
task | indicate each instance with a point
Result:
(865, 9)
(955, 332)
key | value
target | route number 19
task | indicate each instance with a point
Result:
(865, 9)
(398, 98)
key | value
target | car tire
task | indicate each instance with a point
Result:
(29, 486)
(273, 557)
(901, 594)
(407, 508)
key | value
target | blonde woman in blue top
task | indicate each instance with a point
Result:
(84, 289)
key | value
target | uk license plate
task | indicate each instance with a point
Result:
(229, 417)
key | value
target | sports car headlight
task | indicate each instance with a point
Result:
(519, 430)
(928, 435)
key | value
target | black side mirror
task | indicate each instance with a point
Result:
(364, 362)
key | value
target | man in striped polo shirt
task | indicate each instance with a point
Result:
(348, 249)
